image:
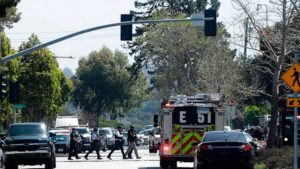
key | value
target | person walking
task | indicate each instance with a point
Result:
(95, 144)
(131, 142)
(119, 141)
(73, 145)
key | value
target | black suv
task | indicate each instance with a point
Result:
(29, 144)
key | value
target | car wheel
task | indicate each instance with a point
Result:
(249, 165)
(50, 163)
(11, 165)
(173, 165)
(163, 164)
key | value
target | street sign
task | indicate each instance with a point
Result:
(20, 106)
(292, 77)
(293, 102)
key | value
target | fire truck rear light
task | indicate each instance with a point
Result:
(167, 141)
(166, 147)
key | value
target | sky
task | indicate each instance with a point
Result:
(51, 19)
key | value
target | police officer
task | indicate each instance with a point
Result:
(131, 142)
(95, 144)
(73, 146)
(119, 141)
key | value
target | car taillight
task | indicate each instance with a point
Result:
(204, 147)
(246, 147)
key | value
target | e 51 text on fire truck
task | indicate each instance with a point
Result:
(183, 121)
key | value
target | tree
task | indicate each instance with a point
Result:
(102, 84)
(277, 41)
(158, 9)
(8, 13)
(11, 71)
(44, 87)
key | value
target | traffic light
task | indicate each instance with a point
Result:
(126, 30)
(14, 92)
(210, 27)
(3, 85)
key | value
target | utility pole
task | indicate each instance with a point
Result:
(246, 23)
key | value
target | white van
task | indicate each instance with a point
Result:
(66, 122)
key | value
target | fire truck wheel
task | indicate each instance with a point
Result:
(173, 165)
(163, 164)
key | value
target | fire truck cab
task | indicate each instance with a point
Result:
(183, 121)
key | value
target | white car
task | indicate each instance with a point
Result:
(227, 128)
(144, 136)
(154, 140)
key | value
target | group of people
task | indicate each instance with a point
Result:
(95, 144)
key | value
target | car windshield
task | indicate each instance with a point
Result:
(224, 137)
(105, 132)
(30, 130)
(61, 138)
(83, 131)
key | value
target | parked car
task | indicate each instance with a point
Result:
(225, 150)
(154, 140)
(62, 142)
(227, 128)
(85, 135)
(107, 133)
(144, 136)
(2, 157)
(125, 135)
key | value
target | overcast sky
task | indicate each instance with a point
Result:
(51, 19)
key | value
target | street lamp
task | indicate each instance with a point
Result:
(267, 16)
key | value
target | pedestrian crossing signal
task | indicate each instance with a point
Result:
(293, 102)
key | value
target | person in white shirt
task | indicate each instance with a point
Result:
(119, 141)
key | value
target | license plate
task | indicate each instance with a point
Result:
(60, 149)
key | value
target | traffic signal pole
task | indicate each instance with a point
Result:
(30, 50)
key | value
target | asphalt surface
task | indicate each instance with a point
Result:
(148, 161)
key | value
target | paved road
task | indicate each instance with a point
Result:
(148, 161)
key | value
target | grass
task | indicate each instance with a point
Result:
(260, 166)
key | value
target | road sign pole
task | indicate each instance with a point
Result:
(295, 134)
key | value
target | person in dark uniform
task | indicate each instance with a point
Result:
(73, 146)
(95, 144)
(131, 142)
(119, 141)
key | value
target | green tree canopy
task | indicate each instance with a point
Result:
(44, 87)
(102, 83)
(8, 13)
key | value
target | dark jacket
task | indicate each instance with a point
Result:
(131, 135)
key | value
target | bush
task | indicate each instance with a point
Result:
(260, 166)
(276, 158)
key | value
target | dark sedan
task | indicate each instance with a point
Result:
(62, 142)
(227, 149)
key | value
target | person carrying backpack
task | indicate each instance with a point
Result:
(95, 144)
